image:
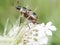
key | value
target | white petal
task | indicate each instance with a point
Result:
(49, 24)
(42, 24)
(43, 40)
(49, 33)
(52, 28)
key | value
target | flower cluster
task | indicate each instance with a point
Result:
(28, 34)
(38, 34)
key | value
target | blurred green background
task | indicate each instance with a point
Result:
(47, 10)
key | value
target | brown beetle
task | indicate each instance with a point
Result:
(28, 13)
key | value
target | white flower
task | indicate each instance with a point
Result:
(50, 26)
(29, 34)
(38, 34)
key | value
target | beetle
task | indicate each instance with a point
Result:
(27, 13)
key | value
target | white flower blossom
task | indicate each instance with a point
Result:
(38, 34)
(28, 34)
